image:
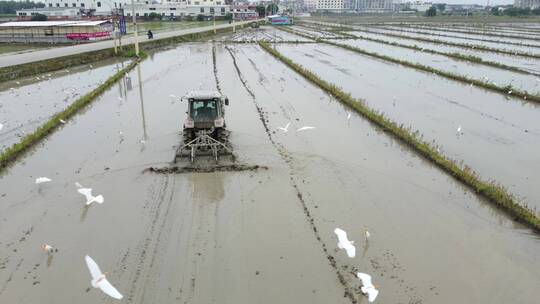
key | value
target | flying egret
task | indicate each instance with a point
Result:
(87, 192)
(286, 128)
(344, 243)
(41, 180)
(305, 128)
(99, 279)
(367, 287)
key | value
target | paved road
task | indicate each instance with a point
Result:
(89, 47)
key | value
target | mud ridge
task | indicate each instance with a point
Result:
(348, 293)
(205, 169)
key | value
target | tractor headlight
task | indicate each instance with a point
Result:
(218, 123)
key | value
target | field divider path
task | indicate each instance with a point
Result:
(435, 41)
(473, 59)
(18, 149)
(490, 190)
(505, 90)
(452, 30)
(285, 155)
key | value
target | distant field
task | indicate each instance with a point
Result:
(419, 18)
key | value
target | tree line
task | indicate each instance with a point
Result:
(10, 7)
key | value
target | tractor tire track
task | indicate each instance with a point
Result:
(285, 155)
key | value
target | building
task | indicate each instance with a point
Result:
(419, 6)
(374, 6)
(532, 4)
(55, 31)
(311, 5)
(244, 12)
(335, 5)
(52, 13)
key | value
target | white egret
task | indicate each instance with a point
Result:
(99, 279)
(1, 126)
(344, 243)
(305, 128)
(48, 248)
(62, 121)
(87, 192)
(41, 180)
(367, 235)
(459, 129)
(286, 128)
(348, 115)
(367, 287)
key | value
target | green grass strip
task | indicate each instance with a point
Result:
(461, 78)
(488, 189)
(16, 150)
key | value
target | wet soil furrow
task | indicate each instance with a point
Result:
(285, 155)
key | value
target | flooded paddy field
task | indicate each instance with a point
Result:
(436, 107)
(528, 64)
(25, 104)
(471, 33)
(495, 45)
(472, 70)
(262, 236)
(264, 33)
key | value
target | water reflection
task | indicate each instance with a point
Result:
(139, 78)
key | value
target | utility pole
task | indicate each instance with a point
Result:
(135, 28)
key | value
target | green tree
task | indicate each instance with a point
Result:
(441, 7)
(10, 7)
(272, 9)
(154, 16)
(495, 11)
(431, 12)
(228, 16)
(261, 10)
(39, 17)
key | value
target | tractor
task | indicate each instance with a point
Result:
(204, 132)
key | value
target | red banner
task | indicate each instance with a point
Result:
(88, 36)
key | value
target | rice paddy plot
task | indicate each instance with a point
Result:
(501, 46)
(435, 106)
(27, 103)
(472, 70)
(528, 64)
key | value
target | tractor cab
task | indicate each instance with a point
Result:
(205, 110)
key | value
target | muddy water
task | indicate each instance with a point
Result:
(484, 73)
(345, 180)
(501, 46)
(265, 33)
(495, 127)
(529, 64)
(25, 104)
(473, 33)
(247, 237)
